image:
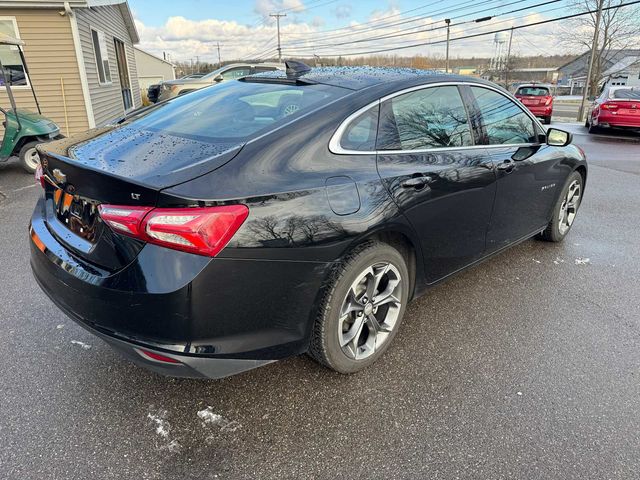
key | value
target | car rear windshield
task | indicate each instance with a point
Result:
(234, 111)
(626, 94)
(533, 91)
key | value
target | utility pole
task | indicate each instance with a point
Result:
(448, 22)
(594, 50)
(277, 16)
(219, 60)
(506, 66)
(198, 63)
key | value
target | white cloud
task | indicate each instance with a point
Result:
(184, 39)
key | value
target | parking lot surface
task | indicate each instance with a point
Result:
(526, 366)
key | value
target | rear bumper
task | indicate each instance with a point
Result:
(541, 111)
(615, 120)
(199, 309)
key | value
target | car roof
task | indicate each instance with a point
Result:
(623, 87)
(356, 78)
(536, 85)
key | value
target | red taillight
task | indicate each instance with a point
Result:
(156, 356)
(203, 231)
(39, 175)
(609, 106)
(548, 101)
(124, 219)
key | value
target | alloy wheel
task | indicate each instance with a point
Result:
(370, 310)
(569, 207)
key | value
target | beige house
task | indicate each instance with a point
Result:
(80, 58)
(152, 70)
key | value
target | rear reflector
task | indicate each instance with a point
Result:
(202, 230)
(156, 356)
(39, 175)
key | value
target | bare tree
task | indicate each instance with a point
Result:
(619, 29)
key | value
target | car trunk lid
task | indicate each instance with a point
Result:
(120, 166)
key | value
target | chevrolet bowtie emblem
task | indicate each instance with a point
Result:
(59, 176)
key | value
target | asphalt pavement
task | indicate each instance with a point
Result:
(524, 367)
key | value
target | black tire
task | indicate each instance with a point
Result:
(593, 128)
(26, 156)
(325, 346)
(547, 120)
(552, 233)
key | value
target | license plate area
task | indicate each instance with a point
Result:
(79, 215)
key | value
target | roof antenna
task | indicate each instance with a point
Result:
(295, 68)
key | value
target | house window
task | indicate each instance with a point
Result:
(10, 55)
(102, 55)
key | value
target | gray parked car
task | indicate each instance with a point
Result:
(173, 88)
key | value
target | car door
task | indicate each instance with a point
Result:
(528, 177)
(439, 178)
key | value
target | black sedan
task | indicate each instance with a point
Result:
(291, 212)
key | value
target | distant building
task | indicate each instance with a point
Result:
(80, 59)
(537, 74)
(472, 71)
(152, 70)
(574, 73)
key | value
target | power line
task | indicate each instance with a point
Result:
(423, 30)
(541, 22)
(411, 42)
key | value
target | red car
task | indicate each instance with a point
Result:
(617, 106)
(538, 99)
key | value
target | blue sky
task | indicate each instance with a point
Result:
(186, 29)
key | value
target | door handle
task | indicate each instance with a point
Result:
(507, 165)
(417, 183)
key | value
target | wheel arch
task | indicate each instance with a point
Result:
(404, 240)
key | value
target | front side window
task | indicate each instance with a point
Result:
(102, 56)
(236, 73)
(10, 56)
(504, 121)
(432, 117)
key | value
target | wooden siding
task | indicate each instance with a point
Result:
(51, 56)
(106, 99)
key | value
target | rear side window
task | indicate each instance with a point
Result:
(433, 117)
(264, 69)
(234, 111)
(235, 73)
(626, 94)
(533, 91)
(361, 132)
(504, 121)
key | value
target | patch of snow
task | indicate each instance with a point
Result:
(520, 394)
(535, 260)
(163, 429)
(209, 417)
(582, 261)
(60, 327)
(162, 426)
(172, 446)
(86, 346)
(558, 261)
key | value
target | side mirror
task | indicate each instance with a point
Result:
(558, 138)
(218, 78)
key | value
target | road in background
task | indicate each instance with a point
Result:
(525, 367)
